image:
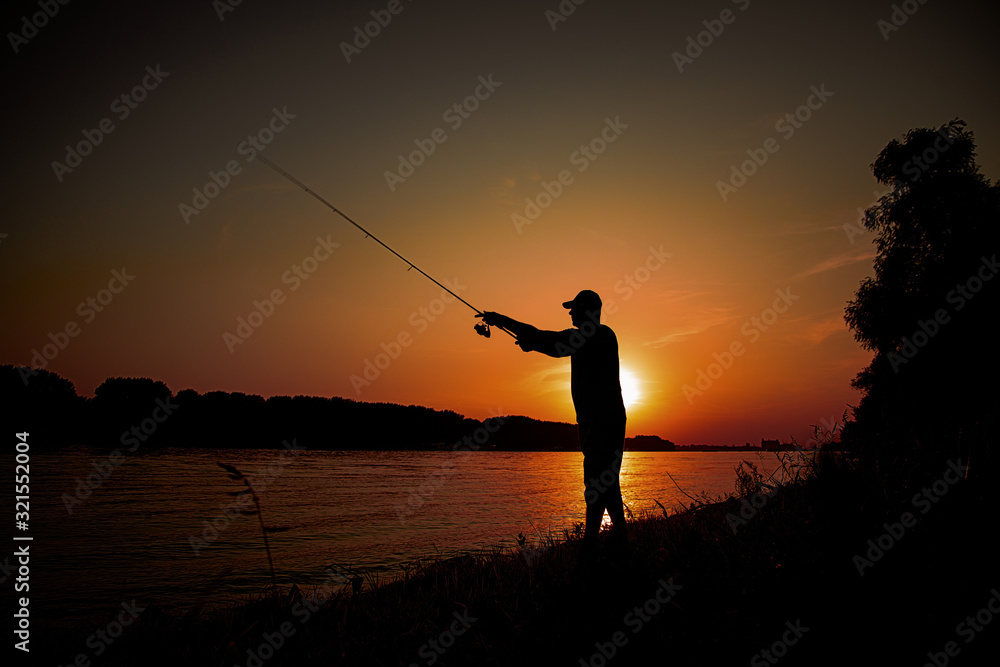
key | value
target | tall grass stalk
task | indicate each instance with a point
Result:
(236, 475)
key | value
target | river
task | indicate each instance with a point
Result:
(163, 528)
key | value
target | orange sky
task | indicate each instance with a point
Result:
(638, 216)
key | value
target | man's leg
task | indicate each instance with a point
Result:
(613, 499)
(595, 515)
(613, 437)
(593, 494)
(602, 446)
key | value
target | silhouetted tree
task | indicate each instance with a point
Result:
(518, 433)
(127, 391)
(928, 314)
(648, 443)
(119, 404)
(43, 404)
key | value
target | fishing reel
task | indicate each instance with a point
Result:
(483, 329)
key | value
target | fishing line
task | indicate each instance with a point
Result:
(482, 328)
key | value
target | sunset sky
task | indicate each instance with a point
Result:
(511, 99)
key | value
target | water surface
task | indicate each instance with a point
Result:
(157, 529)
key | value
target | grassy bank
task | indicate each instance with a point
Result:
(773, 569)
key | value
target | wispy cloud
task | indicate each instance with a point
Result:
(803, 229)
(695, 320)
(225, 236)
(511, 190)
(814, 330)
(853, 256)
(548, 381)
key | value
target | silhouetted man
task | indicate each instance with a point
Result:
(597, 397)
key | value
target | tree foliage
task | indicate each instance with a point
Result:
(928, 312)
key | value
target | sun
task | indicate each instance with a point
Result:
(630, 387)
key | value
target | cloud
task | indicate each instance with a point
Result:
(847, 258)
(548, 381)
(801, 229)
(511, 190)
(225, 236)
(816, 331)
(694, 322)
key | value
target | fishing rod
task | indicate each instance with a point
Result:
(482, 328)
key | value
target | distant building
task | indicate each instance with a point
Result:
(770, 445)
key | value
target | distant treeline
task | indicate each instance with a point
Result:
(140, 412)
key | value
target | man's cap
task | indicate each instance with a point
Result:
(586, 299)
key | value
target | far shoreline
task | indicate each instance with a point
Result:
(142, 413)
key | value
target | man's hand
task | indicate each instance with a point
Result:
(521, 331)
(491, 318)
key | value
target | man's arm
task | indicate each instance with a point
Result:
(532, 339)
(497, 320)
